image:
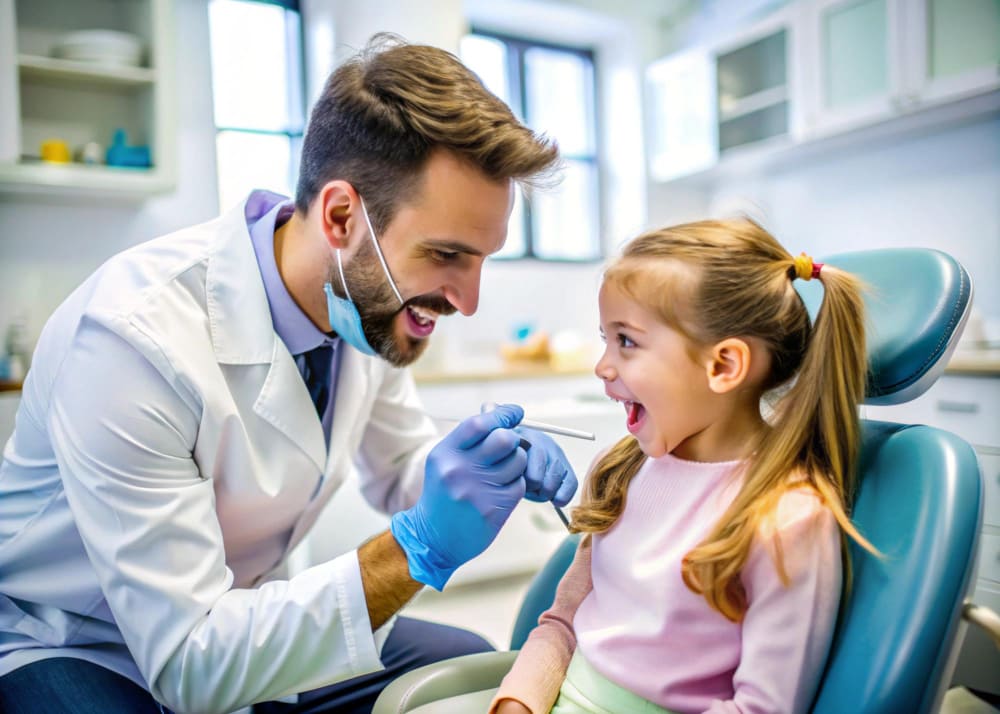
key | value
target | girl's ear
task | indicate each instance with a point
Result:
(728, 365)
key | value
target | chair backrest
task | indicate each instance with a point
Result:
(918, 500)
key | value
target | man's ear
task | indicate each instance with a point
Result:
(728, 365)
(336, 206)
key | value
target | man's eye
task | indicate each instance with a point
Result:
(445, 256)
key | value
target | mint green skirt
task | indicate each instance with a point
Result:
(587, 691)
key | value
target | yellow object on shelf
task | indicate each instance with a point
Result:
(534, 347)
(56, 151)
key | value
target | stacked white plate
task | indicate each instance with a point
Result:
(100, 46)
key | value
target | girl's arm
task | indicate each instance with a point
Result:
(540, 668)
(787, 630)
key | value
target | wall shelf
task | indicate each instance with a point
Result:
(45, 98)
(79, 179)
(36, 67)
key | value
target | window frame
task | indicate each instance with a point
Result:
(516, 72)
(295, 96)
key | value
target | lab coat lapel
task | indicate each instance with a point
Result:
(352, 385)
(243, 334)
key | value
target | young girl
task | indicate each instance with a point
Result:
(710, 576)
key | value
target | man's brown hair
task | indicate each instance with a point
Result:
(387, 108)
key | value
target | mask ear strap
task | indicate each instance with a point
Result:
(340, 267)
(378, 251)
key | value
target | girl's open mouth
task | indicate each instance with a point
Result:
(636, 416)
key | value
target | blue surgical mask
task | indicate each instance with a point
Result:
(344, 317)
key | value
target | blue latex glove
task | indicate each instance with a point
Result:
(473, 479)
(549, 476)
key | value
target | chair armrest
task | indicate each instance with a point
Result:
(984, 617)
(447, 678)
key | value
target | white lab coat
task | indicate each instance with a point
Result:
(165, 460)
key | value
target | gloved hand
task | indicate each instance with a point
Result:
(472, 482)
(549, 476)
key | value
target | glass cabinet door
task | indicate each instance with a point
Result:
(853, 45)
(953, 47)
(753, 91)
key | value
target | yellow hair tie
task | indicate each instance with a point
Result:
(805, 268)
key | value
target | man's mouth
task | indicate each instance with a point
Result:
(420, 320)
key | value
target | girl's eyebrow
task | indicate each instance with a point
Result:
(618, 324)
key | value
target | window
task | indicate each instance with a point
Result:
(551, 89)
(257, 84)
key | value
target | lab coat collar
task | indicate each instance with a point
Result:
(239, 316)
(243, 334)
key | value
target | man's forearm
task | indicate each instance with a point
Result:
(385, 577)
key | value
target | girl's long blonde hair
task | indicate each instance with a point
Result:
(738, 283)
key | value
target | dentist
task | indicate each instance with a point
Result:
(194, 404)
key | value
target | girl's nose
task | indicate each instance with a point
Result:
(604, 370)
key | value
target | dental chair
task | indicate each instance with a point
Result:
(919, 502)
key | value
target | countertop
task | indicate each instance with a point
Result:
(974, 362)
(982, 362)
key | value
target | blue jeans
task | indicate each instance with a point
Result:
(73, 686)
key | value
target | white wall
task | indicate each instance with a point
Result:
(48, 246)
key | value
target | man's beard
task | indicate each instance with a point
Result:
(378, 307)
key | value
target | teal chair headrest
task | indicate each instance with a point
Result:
(915, 316)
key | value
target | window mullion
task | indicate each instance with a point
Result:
(519, 85)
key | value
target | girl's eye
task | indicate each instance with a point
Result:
(624, 341)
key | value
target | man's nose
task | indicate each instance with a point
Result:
(463, 293)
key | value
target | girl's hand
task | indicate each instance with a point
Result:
(511, 706)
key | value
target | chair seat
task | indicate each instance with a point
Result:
(455, 686)
(461, 704)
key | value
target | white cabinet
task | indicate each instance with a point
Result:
(952, 48)
(77, 102)
(815, 69)
(710, 100)
(870, 60)
(969, 406)
(680, 93)
(853, 63)
(755, 80)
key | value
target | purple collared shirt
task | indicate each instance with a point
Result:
(265, 212)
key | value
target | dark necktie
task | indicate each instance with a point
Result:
(317, 375)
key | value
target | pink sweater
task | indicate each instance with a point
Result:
(624, 604)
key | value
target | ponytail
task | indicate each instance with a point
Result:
(815, 431)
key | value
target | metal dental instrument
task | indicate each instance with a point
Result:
(549, 428)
